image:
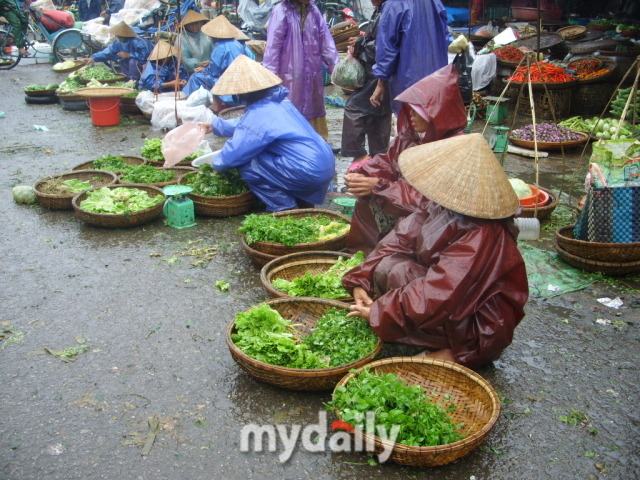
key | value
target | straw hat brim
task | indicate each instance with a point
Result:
(244, 76)
(461, 173)
(122, 30)
(220, 27)
(163, 50)
(192, 17)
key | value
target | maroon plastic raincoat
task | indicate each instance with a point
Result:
(439, 102)
(442, 280)
(297, 56)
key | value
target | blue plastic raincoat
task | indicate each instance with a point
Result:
(277, 152)
(165, 73)
(224, 52)
(196, 48)
(412, 43)
(139, 48)
(89, 9)
(298, 56)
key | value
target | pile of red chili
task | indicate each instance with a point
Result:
(509, 53)
(585, 65)
(541, 72)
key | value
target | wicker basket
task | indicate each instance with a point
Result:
(118, 78)
(551, 145)
(477, 407)
(131, 160)
(180, 172)
(542, 212)
(212, 206)
(40, 93)
(305, 312)
(332, 244)
(591, 98)
(608, 268)
(259, 258)
(547, 103)
(602, 252)
(97, 178)
(572, 32)
(131, 219)
(547, 40)
(297, 265)
(232, 112)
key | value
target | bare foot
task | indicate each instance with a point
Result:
(24, 52)
(444, 354)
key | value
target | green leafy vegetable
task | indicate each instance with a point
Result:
(69, 85)
(35, 87)
(218, 184)
(422, 422)
(57, 186)
(263, 334)
(321, 285)
(110, 163)
(289, 230)
(152, 149)
(222, 285)
(118, 200)
(97, 72)
(146, 174)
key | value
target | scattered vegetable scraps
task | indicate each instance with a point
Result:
(422, 422)
(222, 285)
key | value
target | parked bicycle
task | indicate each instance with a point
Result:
(66, 43)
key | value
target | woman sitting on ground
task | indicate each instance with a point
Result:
(160, 72)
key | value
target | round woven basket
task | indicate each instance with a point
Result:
(549, 86)
(180, 172)
(296, 265)
(129, 219)
(97, 178)
(477, 407)
(131, 160)
(40, 93)
(602, 252)
(608, 268)
(304, 312)
(544, 211)
(232, 112)
(332, 244)
(259, 258)
(551, 145)
(572, 32)
(215, 206)
(78, 64)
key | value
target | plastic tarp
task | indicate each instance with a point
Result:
(253, 14)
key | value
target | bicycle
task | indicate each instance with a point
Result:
(338, 12)
(66, 43)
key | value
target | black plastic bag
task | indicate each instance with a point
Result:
(462, 62)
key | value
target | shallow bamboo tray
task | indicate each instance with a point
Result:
(220, 206)
(551, 145)
(259, 258)
(608, 268)
(597, 251)
(78, 64)
(130, 219)
(305, 312)
(296, 265)
(279, 249)
(40, 93)
(477, 407)
(131, 160)
(97, 178)
(543, 211)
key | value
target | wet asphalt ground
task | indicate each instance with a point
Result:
(155, 328)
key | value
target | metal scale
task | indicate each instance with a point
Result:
(499, 140)
(178, 209)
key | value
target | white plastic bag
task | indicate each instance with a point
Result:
(181, 142)
(200, 97)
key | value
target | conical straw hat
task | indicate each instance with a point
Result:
(192, 16)
(462, 174)
(243, 76)
(241, 36)
(163, 50)
(220, 27)
(122, 30)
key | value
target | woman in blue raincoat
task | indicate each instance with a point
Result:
(160, 72)
(195, 45)
(225, 50)
(130, 50)
(412, 43)
(285, 163)
(299, 44)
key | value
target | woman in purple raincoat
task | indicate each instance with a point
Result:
(299, 44)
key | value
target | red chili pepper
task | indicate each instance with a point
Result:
(341, 425)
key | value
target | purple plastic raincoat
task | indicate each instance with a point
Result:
(411, 43)
(279, 155)
(298, 56)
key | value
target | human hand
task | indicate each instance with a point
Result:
(350, 50)
(204, 64)
(361, 297)
(198, 70)
(359, 311)
(378, 94)
(360, 185)
(124, 55)
(206, 127)
(182, 82)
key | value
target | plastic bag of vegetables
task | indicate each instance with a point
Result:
(349, 73)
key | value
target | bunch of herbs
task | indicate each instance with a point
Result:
(218, 184)
(146, 174)
(289, 230)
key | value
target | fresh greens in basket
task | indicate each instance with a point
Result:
(35, 87)
(422, 422)
(264, 335)
(97, 72)
(152, 150)
(57, 186)
(110, 163)
(146, 174)
(289, 230)
(119, 200)
(219, 184)
(321, 285)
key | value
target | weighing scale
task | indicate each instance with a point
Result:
(496, 110)
(178, 209)
(499, 141)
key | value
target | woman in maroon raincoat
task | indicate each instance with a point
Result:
(432, 109)
(449, 277)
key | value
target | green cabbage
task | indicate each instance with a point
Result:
(23, 194)
(521, 188)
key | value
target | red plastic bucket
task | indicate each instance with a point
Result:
(105, 111)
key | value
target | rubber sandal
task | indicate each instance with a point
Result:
(356, 165)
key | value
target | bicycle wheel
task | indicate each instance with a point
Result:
(9, 56)
(69, 45)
